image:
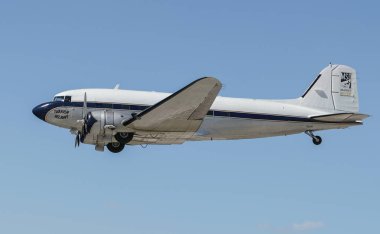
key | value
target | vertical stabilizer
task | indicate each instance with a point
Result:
(335, 88)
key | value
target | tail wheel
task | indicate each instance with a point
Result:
(115, 147)
(317, 140)
(124, 137)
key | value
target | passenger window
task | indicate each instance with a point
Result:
(67, 98)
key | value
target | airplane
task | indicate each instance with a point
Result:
(114, 118)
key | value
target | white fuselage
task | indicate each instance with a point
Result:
(228, 118)
(115, 118)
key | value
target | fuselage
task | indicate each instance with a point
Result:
(228, 118)
(115, 118)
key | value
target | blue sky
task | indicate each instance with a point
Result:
(269, 49)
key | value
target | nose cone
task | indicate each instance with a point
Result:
(41, 110)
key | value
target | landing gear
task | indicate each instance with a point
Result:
(115, 147)
(317, 140)
(124, 137)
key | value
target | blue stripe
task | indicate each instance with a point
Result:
(215, 113)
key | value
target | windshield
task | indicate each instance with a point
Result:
(62, 99)
(59, 98)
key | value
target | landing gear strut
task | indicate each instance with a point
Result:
(115, 147)
(317, 140)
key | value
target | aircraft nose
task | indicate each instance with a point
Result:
(40, 111)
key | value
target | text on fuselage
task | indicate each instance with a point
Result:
(61, 114)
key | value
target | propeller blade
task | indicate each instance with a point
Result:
(84, 110)
(84, 128)
(77, 140)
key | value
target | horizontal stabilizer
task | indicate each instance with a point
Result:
(341, 117)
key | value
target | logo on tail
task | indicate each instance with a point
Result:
(345, 84)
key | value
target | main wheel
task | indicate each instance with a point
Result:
(124, 137)
(115, 147)
(317, 140)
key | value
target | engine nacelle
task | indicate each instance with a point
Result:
(103, 125)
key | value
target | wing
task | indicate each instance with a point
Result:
(182, 112)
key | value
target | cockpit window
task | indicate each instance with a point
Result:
(67, 98)
(62, 98)
(58, 98)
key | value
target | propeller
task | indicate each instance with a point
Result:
(81, 134)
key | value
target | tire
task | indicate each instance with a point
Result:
(317, 140)
(115, 147)
(124, 137)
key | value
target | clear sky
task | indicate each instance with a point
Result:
(268, 49)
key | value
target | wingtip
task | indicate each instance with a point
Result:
(210, 78)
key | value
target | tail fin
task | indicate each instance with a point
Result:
(335, 88)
